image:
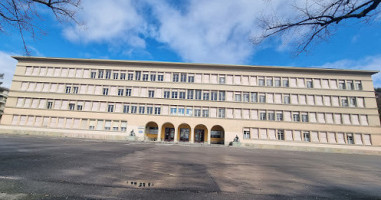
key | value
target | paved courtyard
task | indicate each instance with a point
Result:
(63, 168)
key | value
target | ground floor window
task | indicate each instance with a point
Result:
(350, 138)
(216, 134)
(307, 137)
(246, 134)
(280, 135)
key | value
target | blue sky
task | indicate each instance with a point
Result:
(213, 31)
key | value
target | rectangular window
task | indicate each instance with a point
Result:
(261, 81)
(286, 99)
(246, 134)
(122, 76)
(205, 112)
(198, 95)
(130, 76)
(189, 112)
(145, 77)
(307, 136)
(141, 109)
(350, 85)
(68, 89)
(110, 108)
(182, 95)
(133, 109)
(183, 77)
(342, 85)
(71, 106)
(151, 93)
(222, 80)
(157, 110)
(153, 77)
(246, 97)
(181, 111)
(350, 138)
(175, 77)
(166, 94)
(126, 108)
(304, 117)
(277, 82)
(128, 92)
(269, 82)
(174, 111)
(352, 101)
(344, 102)
(149, 110)
(197, 112)
(205, 96)
(221, 113)
(221, 95)
(49, 105)
(286, 83)
(296, 117)
(262, 98)
(262, 116)
(93, 75)
(137, 75)
(75, 90)
(309, 84)
(237, 97)
(254, 97)
(280, 135)
(120, 92)
(79, 107)
(213, 95)
(100, 73)
(279, 116)
(358, 85)
(105, 91)
(174, 94)
(190, 94)
(271, 116)
(160, 77)
(108, 74)
(191, 79)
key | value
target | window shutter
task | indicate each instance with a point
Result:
(69, 123)
(24, 86)
(271, 133)
(113, 91)
(253, 80)
(95, 106)
(135, 91)
(314, 136)
(46, 87)
(42, 104)
(87, 106)
(237, 80)
(335, 101)
(367, 139)
(57, 72)
(245, 80)
(355, 119)
(39, 87)
(158, 93)
(292, 82)
(213, 112)
(90, 89)
(263, 133)
(329, 118)
(229, 96)
(310, 100)
(288, 135)
(30, 121)
(28, 71)
(324, 84)
(363, 120)
(165, 109)
(327, 100)
(333, 84)
(103, 107)
(76, 123)
(294, 99)
(229, 113)
(300, 82)
(360, 102)
(20, 102)
(118, 107)
(287, 116)
(57, 104)
(64, 72)
(61, 88)
(302, 99)
(346, 119)
(31, 87)
(82, 89)
(316, 83)
(213, 79)
(340, 138)
(331, 137)
(323, 137)
(86, 73)
(237, 113)
(27, 103)
(297, 136)
(61, 122)
(205, 78)
(358, 139)
(50, 72)
(167, 77)
(38, 121)
(197, 78)
(229, 79)
(312, 117)
(319, 100)
(245, 114)
(270, 98)
(254, 133)
(278, 98)
(254, 114)
(337, 118)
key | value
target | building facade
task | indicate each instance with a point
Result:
(3, 96)
(195, 103)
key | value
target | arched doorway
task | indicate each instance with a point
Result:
(200, 134)
(168, 132)
(151, 131)
(184, 131)
(217, 135)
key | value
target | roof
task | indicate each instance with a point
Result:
(195, 65)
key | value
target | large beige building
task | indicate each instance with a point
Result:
(182, 102)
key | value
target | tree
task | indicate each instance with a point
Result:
(317, 20)
(21, 15)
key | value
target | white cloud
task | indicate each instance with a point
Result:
(367, 63)
(8, 67)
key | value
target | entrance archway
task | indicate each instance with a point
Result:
(217, 135)
(184, 131)
(151, 131)
(168, 132)
(200, 134)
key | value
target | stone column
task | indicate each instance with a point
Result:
(176, 135)
(158, 133)
(209, 131)
(191, 135)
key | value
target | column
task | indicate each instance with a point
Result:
(191, 135)
(176, 134)
(209, 135)
(158, 133)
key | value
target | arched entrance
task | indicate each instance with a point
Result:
(167, 132)
(217, 135)
(200, 134)
(151, 131)
(184, 131)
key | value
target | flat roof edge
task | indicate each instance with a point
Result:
(83, 60)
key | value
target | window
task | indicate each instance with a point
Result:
(126, 108)
(110, 108)
(191, 79)
(145, 77)
(306, 136)
(261, 81)
(100, 73)
(108, 74)
(221, 113)
(122, 76)
(149, 110)
(286, 83)
(222, 80)
(75, 90)
(198, 95)
(350, 85)
(79, 107)
(128, 92)
(182, 95)
(358, 85)
(190, 94)
(213, 96)
(237, 97)
(71, 106)
(309, 84)
(350, 138)
(157, 110)
(108, 125)
(279, 116)
(68, 89)
(93, 74)
(254, 97)
(344, 102)
(137, 75)
(262, 98)
(296, 117)
(153, 77)
(120, 92)
(246, 134)
(246, 97)
(130, 76)
(160, 77)
(173, 111)
(221, 95)
(105, 91)
(189, 112)
(277, 82)
(181, 111)
(205, 113)
(342, 85)
(352, 101)
(269, 82)
(205, 96)
(262, 116)
(280, 135)
(271, 116)
(286, 99)
(183, 77)
(304, 117)
(141, 109)
(151, 93)
(175, 77)
(133, 109)
(166, 94)
(174, 94)
(197, 112)
(49, 105)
